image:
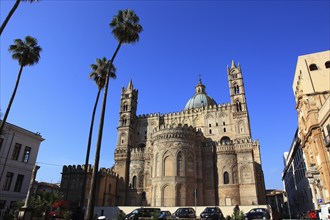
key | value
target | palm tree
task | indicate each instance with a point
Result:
(126, 29)
(98, 74)
(27, 53)
(13, 9)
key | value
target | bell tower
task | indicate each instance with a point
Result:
(126, 136)
(238, 99)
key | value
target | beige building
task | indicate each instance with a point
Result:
(202, 155)
(311, 87)
(18, 154)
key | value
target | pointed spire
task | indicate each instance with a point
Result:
(130, 85)
(239, 67)
(233, 64)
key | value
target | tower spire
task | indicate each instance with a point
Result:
(233, 64)
(130, 85)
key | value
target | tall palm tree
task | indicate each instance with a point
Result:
(126, 29)
(11, 12)
(98, 74)
(27, 53)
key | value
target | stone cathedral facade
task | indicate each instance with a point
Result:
(202, 155)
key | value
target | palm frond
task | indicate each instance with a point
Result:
(100, 71)
(26, 52)
(125, 26)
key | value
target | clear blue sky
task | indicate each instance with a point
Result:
(181, 39)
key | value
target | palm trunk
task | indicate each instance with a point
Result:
(82, 197)
(11, 100)
(92, 193)
(9, 16)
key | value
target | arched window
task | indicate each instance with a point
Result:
(236, 89)
(225, 178)
(225, 140)
(210, 131)
(327, 64)
(168, 166)
(125, 107)
(224, 129)
(238, 106)
(179, 161)
(123, 121)
(312, 67)
(134, 182)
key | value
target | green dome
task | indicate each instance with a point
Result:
(200, 98)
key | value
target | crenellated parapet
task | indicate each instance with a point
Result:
(237, 145)
(80, 169)
(137, 153)
(75, 169)
(167, 132)
(121, 153)
(108, 172)
(186, 113)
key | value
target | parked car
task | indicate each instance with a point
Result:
(213, 213)
(164, 215)
(257, 213)
(313, 214)
(142, 212)
(184, 213)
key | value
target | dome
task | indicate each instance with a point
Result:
(200, 98)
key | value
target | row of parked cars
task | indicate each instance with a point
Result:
(213, 213)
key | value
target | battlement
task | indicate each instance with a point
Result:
(219, 107)
(177, 127)
(176, 132)
(108, 172)
(76, 169)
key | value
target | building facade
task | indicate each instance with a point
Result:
(203, 155)
(311, 87)
(18, 153)
(298, 192)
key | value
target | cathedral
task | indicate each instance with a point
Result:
(203, 155)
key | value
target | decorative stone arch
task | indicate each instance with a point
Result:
(141, 145)
(189, 162)
(122, 137)
(147, 178)
(225, 140)
(226, 175)
(186, 121)
(235, 87)
(222, 115)
(167, 164)
(134, 180)
(180, 164)
(179, 194)
(155, 202)
(241, 126)
(125, 106)
(156, 166)
(140, 179)
(238, 105)
(166, 195)
(246, 174)
(209, 116)
(235, 178)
